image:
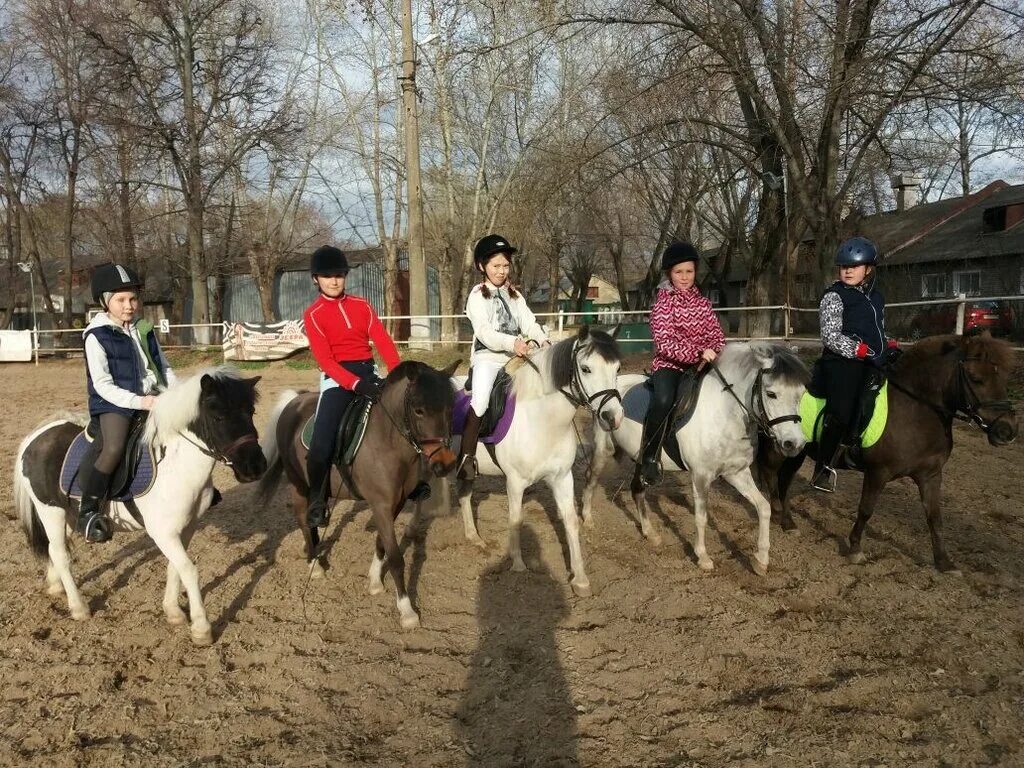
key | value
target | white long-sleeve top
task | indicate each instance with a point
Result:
(99, 369)
(498, 320)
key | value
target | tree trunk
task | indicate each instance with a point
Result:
(69, 224)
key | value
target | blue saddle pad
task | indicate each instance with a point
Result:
(140, 484)
(637, 401)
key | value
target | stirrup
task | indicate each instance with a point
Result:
(467, 469)
(649, 473)
(95, 527)
(825, 479)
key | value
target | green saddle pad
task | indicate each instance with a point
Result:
(811, 407)
(350, 432)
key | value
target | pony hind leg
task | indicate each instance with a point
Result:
(639, 493)
(376, 574)
(315, 559)
(870, 491)
(515, 488)
(54, 523)
(562, 488)
(468, 523)
(701, 490)
(172, 609)
(743, 482)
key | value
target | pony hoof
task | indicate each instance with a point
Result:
(761, 569)
(477, 542)
(316, 570)
(582, 590)
(375, 588)
(81, 614)
(948, 568)
(202, 636)
(706, 563)
(654, 539)
(519, 566)
(857, 558)
(789, 526)
(588, 522)
(176, 619)
(411, 621)
(55, 590)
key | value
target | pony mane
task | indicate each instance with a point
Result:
(920, 365)
(786, 364)
(557, 363)
(433, 387)
(177, 407)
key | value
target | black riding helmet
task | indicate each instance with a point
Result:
(328, 261)
(678, 252)
(856, 251)
(489, 245)
(111, 278)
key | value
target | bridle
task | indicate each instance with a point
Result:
(577, 393)
(757, 411)
(967, 404)
(427, 447)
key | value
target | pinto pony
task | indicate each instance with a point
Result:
(938, 380)
(193, 425)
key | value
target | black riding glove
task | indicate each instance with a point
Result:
(891, 355)
(369, 387)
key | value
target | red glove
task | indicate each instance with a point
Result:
(892, 344)
(862, 350)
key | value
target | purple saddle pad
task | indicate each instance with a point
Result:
(140, 484)
(496, 435)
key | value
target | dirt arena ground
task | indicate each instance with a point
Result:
(819, 664)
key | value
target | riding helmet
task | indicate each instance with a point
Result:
(489, 245)
(328, 261)
(856, 251)
(111, 278)
(677, 252)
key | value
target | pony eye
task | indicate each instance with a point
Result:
(772, 396)
(585, 368)
(420, 412)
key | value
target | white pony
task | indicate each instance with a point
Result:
(755, 387)
(541, 441)
(197, 422)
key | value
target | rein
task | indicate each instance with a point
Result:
(223, 456)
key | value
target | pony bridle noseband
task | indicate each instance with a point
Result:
(577, 393)
(223, 456)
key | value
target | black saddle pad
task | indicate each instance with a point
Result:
(496, 404)
(351, 429)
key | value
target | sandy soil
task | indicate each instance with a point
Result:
(819, 663)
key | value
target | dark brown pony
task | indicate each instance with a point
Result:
(938, 380)
(411, 424)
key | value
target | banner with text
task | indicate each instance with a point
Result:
(262, 341)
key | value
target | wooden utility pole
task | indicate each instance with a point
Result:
(419, 327)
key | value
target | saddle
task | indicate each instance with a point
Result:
(501, 408)
(869, 419)
(637, 402)
(351, 431)
(133, 477)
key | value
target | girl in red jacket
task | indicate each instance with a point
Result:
(340, 328)
(686, 336)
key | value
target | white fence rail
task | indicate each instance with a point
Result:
(561, 320)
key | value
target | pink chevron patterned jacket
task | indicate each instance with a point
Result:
(683, 326)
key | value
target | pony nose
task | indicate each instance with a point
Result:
(790, 447)
(612, 420)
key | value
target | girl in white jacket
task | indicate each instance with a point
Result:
(503, 327)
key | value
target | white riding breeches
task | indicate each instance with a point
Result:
(484, 373)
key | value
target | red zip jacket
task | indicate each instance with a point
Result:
(340, 330)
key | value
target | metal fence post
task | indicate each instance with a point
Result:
(35, 342)
(961, 311)
(561, 321)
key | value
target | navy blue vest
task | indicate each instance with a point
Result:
(863, 315)
(126, 368)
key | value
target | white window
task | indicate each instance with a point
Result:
(933, 286)
(967, 283)
(714, 297)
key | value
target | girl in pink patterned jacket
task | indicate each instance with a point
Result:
(687, 336)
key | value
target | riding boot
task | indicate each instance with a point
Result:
(317, 513)
(467, 450)
(92, 523)
(829, 448)
(649, 469)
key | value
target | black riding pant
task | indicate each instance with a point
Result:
(667, 386)
(844, 380)
(112, 437)
(329, 410)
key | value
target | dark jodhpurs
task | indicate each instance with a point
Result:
(844, 380)
(329, 410)
(665, 386)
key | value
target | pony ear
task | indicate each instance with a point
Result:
(583, 332)
(253, 381)
(450, 369)
(206, 383)
(614, 333)
(764, 353)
